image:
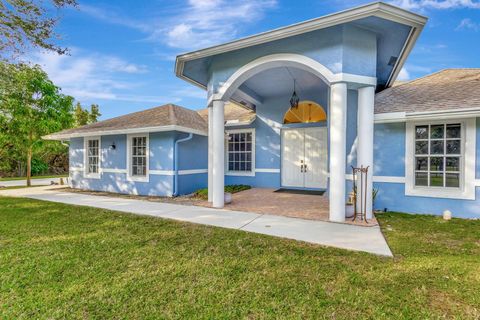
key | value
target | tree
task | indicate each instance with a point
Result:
(94, 113)
(83, 116)
(31, 106)
(29, 23)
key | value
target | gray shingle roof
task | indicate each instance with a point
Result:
(233, 112)
(166, 115)
(444, 90)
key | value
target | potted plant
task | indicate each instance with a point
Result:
(349, 208)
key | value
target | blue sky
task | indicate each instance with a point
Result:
(123, 52)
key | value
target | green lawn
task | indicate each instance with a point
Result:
(34, 177)
(60, 261)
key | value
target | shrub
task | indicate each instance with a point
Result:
(233, 188)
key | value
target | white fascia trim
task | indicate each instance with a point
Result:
(145, 178)
(85, 158)
(453, 114)
(467, 190)
(444, 114)
(390, 117)
(124, 131)
(75, 169)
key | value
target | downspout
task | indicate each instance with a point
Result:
(175, 183)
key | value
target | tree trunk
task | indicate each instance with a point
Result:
(29, 167)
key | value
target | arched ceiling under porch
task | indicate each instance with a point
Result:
(279, 82)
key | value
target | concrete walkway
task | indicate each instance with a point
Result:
(368, 239)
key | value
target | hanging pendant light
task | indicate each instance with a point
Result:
(294, 100)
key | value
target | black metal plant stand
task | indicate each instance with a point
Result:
(360, 177)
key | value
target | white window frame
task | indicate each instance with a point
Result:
(131, 177)
(86, 174)
(240, 173)
(466, 190)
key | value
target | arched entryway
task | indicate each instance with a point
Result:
(304, 148)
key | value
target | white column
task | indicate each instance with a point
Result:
(210, 153)
(365, 122)
(218, 154)
(338, 132)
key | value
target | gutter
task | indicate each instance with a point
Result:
(177, 142)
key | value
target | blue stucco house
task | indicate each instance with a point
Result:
(296, 108)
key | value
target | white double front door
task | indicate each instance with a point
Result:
(304, 157)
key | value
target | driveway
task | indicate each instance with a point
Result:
(351, 237)
(35, 182)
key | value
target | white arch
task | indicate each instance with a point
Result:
(269, 62)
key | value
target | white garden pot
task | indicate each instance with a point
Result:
(349, 212)
(228, 197)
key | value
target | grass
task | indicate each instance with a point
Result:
(34, 177)
(61, 261)
(232, 188)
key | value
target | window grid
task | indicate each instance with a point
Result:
(438, 155)
(240, 152)
(92, 156)
(139, 156)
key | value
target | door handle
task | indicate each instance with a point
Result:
(301, 168)
(304, 168)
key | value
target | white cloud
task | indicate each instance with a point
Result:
(88, 76)
(206, 22)
(468, 24)
(112, 17)
(198, 23)
(403, 75)
(436, 4)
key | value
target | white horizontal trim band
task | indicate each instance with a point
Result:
(387, 179)
(162, 172)
(192, 171)
(152, 172)
(108, 170)
(265, 170)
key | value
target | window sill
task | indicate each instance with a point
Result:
(240, 173)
